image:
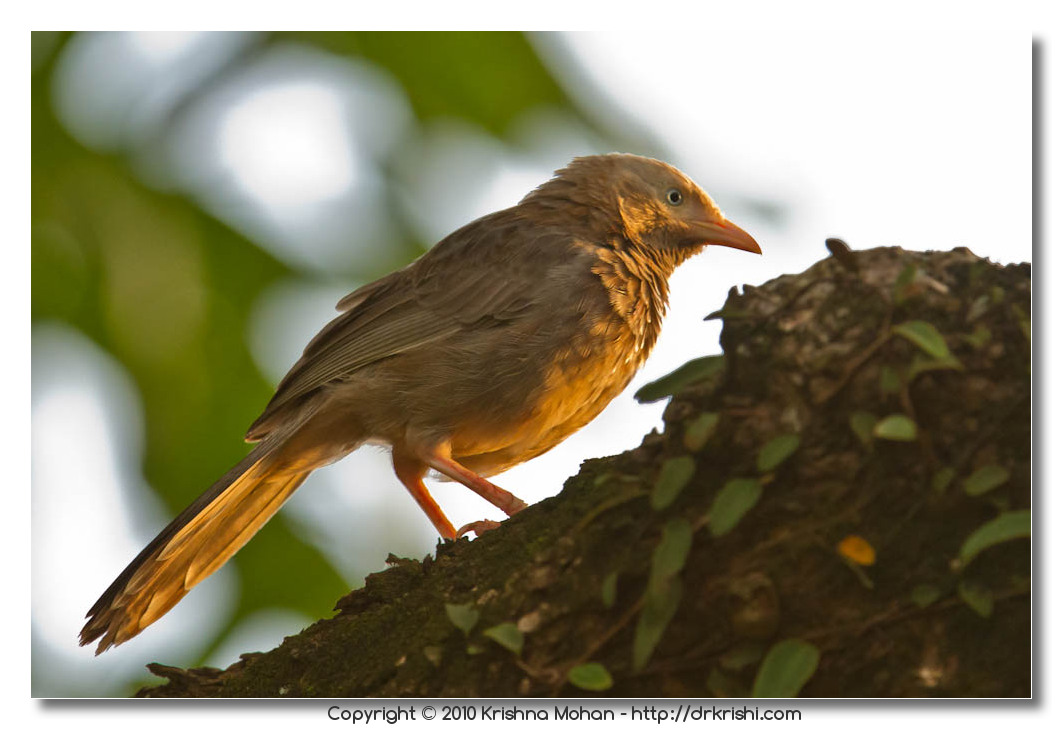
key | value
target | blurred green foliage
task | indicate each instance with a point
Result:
(489, 79)
(167, 289)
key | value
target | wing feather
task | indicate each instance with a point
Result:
(478, 272)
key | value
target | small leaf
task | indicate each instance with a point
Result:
(978, 309)
(787, 667)
(464, 616)
(507, 635)
(985, 479)
(922, 364)
(670, 554)
(977, 597)
(741, 656)
(699, 430)
(774, 452)
(925, 336)
(590, 677)
(857, 549)
(732, 502)
(862, 424)
(896, 427)
(942, 479)
(890, 381)
(925, 595)
(903, 286)
(1005, 527)
(608, 589)
(660, 606)
(693, 371)
(981, 336)
(674, 474)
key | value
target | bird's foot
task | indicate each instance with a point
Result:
(478, 527)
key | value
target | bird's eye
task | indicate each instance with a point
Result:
(674, 197)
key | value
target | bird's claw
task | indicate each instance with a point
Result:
(478, 527)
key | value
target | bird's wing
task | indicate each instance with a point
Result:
(484, 271)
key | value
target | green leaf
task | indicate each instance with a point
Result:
(774, 452)
(661, 602)
(1005, 527)
(732, 502)
(741, 656)
(674, 474)
(981, 336)
(925, 336)
(507, 635)
(903, 286)
(862, 424)
(787, 667)
(608, 589)
(942, 479)
(890, 381)
(896, 427)
(977, 597)
(590, 677)
(985, 479)
(922, 364)
(464, 616)
(978, 308)
(699, 430)
(670, 554)
(925, 595)
(693, 371)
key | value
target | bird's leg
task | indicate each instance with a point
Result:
(439, 459)
(410, 472)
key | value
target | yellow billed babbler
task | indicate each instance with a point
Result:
(491, 348)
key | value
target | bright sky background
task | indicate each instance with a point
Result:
(918, 140)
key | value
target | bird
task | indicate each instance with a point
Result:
(495, 345)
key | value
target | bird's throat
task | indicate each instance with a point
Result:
(637, 287)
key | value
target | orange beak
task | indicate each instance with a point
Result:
(723, 233)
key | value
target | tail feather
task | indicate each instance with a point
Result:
(193, 546)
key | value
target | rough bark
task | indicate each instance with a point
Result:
(588, 575)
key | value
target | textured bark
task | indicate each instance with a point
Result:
(803, 354)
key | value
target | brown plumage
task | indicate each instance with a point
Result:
(493, 347)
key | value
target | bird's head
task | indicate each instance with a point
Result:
(651, 202)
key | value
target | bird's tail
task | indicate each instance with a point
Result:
(194, 545)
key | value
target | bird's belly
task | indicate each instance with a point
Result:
(577, 385)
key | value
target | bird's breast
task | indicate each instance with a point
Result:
(577, 382)
(588, 349)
